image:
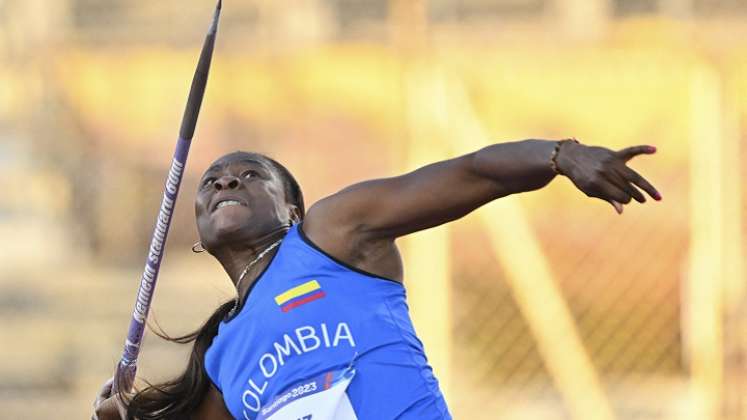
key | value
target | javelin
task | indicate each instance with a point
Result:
(127, 367)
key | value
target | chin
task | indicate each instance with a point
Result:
(225, 231)
(238, 233)
(229, 231)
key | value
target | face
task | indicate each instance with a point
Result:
(240, 198)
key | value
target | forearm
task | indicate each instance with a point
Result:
(517, 166)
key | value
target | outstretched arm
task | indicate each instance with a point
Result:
(385, 209)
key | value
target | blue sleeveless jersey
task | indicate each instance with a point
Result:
(319, 340)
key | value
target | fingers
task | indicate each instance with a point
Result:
(641, 182)
(631, 152)
(104, 393)
(620, 182)
(618, 207)
(121, 407)
(608, 178)
(110, 408)
(610, 192)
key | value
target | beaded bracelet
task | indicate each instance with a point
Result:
(554, 156)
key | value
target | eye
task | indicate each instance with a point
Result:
(249, 173)
(207, 182)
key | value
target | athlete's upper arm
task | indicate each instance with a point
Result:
(384, 209)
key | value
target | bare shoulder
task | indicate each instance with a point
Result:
(212, 407)
(332, 227)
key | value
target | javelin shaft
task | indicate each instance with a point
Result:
(128, 363)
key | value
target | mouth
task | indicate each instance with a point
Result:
(226, 202)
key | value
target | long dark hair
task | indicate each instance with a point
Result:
(179, 398)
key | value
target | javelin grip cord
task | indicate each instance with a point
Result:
(125, 375)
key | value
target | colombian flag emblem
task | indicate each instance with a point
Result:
(299, 295)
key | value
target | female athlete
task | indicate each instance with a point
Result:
(320, 329)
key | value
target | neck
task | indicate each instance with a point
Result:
(235, 257)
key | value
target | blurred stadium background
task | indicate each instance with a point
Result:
(542, 306)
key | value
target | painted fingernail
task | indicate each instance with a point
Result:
(657, 197)
(652, 149)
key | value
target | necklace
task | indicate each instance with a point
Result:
(246, 270)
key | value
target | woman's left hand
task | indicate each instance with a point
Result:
(602, 173)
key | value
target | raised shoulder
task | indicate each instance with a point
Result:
(329, 227)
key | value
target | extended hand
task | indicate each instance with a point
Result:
(602, 173)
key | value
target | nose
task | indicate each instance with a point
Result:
(227, 182)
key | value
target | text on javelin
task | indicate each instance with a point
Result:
(147, 282)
